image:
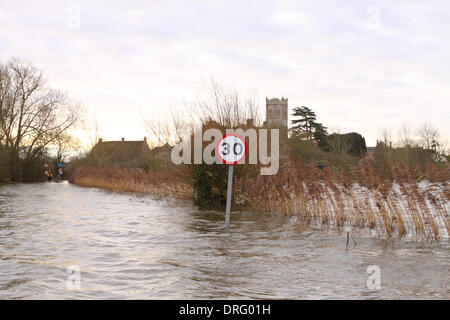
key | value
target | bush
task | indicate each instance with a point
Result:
(305, 150)
(210, 185)
(351, 143)
(415, 158)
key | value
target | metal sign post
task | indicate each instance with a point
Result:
(230, 186)
(231, 149)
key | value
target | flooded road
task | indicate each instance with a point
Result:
(133, 247)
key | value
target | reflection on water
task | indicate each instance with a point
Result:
(134, 247)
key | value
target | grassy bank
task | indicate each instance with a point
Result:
(160, 184)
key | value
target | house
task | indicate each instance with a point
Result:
(125, 154)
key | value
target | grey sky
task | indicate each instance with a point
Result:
(361, 65)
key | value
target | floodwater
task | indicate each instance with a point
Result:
(133, 247)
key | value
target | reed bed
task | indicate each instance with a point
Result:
(161, 184)
(407, 207)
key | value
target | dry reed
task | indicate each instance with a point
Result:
(402, 208)
(162, 184)
(363, 198)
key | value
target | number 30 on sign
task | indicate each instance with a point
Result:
(231, 149)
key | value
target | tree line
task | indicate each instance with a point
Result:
(310, 141)
(35, 122)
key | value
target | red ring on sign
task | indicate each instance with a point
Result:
(240, 159)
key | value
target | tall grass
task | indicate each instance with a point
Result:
(162, 184)
(360, 198)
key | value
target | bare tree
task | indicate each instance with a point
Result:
(65, 145)
(404, 136)
(431, 140)
(429, 136)
(169, 131)
(224, 106)
(215, 103)
(386, 136)
(32, 115)
(93, 131)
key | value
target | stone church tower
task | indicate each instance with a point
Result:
(277, 113)
(277, 117)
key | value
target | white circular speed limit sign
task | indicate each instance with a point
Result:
(231, 149)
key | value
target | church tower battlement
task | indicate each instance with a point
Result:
(277, 118)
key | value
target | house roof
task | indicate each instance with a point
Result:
(130, 154)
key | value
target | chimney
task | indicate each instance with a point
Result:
(145, 139)
(100, 140)
(123, 139)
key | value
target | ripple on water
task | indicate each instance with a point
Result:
(135, 247)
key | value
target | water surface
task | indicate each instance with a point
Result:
(134, 247)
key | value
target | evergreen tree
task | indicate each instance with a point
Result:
(306, 126)
(320, 134)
